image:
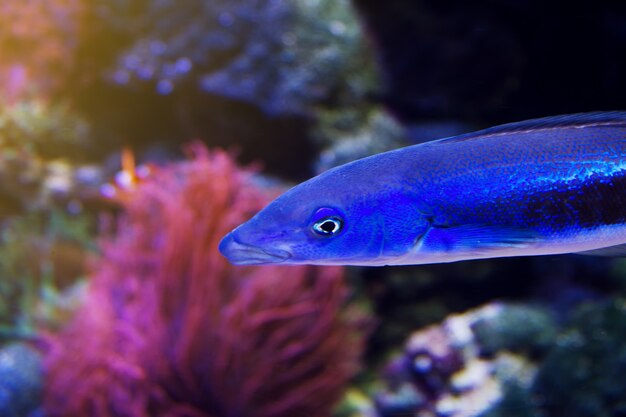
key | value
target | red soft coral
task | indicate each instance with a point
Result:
(169, 328)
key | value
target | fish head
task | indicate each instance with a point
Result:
(318, 224)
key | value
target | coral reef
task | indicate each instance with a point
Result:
(515, 328)
(248, 74)
(350, 137)
(583, 374)
(20, 380)
(37, 40)
(355, 132)
(45, 229)
(42, 255)
(482, 361)
(42, 164)
(50, 130)
(169, 328)
(281, 56)
(511, 360)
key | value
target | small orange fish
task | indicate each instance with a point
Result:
(128, 178)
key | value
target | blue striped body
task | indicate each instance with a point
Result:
(553, 185)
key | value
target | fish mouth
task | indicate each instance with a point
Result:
(239, 253)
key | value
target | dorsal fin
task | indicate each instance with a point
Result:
(599, 118)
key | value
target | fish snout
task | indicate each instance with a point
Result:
(240, 253)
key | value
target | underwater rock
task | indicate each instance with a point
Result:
(361, 131)
(170, 328)
(411, 298)
(583, 375)
(42, 164)
(403, 400)
(21, 380)
(245, 74)
(509, 360)
(516, 328)
(443, 370)
(52, 131)
(42, 256)
(282, 56)
(353, 135)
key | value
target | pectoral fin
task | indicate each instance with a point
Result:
(476, 238)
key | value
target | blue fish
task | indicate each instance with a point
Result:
(544, 186)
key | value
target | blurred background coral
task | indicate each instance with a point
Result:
(113, 298)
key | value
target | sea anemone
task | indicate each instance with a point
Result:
(169, 328)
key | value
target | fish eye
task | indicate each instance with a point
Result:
(328, 226)
(327, 222)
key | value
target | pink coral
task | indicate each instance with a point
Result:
(169, 328)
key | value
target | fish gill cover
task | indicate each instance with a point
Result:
(169, 328)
